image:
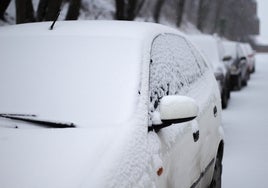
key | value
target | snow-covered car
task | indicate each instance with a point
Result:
(106, 104)
(213, 50)
(250, 56)
(238, 65)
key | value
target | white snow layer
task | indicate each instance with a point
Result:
(61, 84)
(245, 125)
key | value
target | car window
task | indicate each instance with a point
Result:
(230, 49)
(201, 63)
(173, 68)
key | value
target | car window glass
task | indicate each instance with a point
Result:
(173, 68)
(201, 63)
(240, 52)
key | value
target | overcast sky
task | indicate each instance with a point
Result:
(263, 15)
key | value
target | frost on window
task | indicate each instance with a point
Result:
(200, 60)
(173, 68)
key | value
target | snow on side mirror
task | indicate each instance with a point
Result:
(176, 109)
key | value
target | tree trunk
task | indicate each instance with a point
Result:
(41, 10)
(120, 10)
(218, 20)
(53, 9)
(131, 9)
(3, 6)
(73, 11)
(180, 12)
(202, 11)
(157, 10)
(24, 11)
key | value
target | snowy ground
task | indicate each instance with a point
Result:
(245, 122)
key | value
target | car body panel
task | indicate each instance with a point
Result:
(178, 147)
(38, 157)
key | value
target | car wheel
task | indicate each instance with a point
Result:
(228, 87)
(239, 83)
(216, 179)
(229, 93)
(224, 99)
(253, 70)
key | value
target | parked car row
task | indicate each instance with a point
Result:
(232, 62)
(114, 104)
(241, 63)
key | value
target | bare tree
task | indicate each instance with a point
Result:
(202, 14)
(48, 9)
(157, 10)
(24, 11)
(73, 11)
(120, 9)
(180, 12)
(53, 8)
(128, 9)
(134, 8)
(3, 6)
(41, 10)
(219, 22)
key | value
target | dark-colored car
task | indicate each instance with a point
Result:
(237, 64)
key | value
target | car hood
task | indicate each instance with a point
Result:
(62, 158)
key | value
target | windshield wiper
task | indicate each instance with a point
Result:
(48, 124)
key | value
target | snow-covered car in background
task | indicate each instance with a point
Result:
(106, 104)
(250, 56)
(239, 74)
(212, 49)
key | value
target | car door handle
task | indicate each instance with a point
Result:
(196, 136)
(215, 111)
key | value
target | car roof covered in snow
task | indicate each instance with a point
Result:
(99, 56)
(128, 29)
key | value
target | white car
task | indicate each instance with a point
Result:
(106, 104)
(250, 56)
(213, 50)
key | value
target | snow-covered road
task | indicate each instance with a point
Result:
(245, 121)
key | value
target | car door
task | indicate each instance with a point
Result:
(174, 71)
(209, 118)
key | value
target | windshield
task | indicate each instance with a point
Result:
(230, 49)
(84, 80)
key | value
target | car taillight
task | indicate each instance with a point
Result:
(250, 55)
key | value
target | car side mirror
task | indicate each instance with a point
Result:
(226, 58)
(175, 109)
(242, 58)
